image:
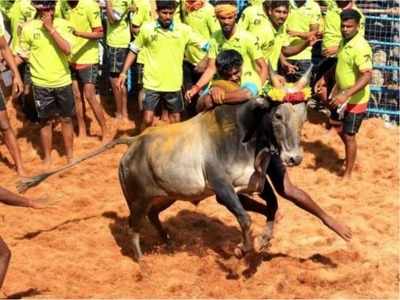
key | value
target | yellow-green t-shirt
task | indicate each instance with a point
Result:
(246, 44)
(332, 33)
(84, 18)
(141, 16)
(2, 29)
(5, 6)
(270, 40)
(20, 12)
(48, 64)
(353, 57)
(165, 50)
(203, 22)
(119, 32)
(300, 19)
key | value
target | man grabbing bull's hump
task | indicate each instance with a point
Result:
(230, 89)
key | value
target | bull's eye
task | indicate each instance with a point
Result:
(278, 116)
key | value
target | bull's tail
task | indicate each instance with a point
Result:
(26, 183)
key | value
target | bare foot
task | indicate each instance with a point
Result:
(22, 172)
(341, 229)
(47, 163)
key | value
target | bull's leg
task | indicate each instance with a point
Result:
(226, 196)
(155, 220)
(138, 209)
(268, 195)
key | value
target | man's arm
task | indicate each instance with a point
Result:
(204, 79)
(129, 60)
(262, 69)
(111, 17)
(10, 198)
(18, 86)
(63, 44)
(362, 82)
(95, 34)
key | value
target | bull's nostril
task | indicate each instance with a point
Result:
(292, 161)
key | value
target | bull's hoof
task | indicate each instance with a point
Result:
(262, 242)
(240, 251)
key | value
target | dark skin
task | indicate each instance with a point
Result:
(10, 198)
(228, 26)
(349, 29)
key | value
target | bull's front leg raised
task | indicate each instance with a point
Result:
(226, 196)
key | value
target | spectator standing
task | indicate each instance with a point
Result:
(84, 16)
(46, 42)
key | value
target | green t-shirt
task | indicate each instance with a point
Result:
(141, 16)
(202, 21)
(2, 29)
(353, 57)
(20, 12)
(48, 64)
(301, 19)
(332, 33)
(84, 18)
(119, 32)
(165, 49)
(246, 44)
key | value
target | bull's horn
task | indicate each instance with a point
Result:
(305, 79)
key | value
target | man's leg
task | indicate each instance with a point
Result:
(174, 103)
(68, 136)
(150, 102)
(79, 109)
(11, 142)
(351, 126)
(46, 138)
(147, 121)
(280, 179)
(5, 256)
(90, 95)
(121, 100)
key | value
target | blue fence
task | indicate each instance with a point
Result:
(382, 32)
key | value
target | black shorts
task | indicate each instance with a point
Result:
(86, 75)
(352, 122)
(172, 101)
(115, 59)
(2, 102)
(25, 72)
(54, 102)
(138, 71)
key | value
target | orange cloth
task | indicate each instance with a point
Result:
(225, 10)
(193, 5)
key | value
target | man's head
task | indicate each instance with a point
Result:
(350, 23)
(44, 6)
(277, 11)
(73, 3)
(300, 3)
(229, 65)
(226, 13)
(165, 11)
(343, 3)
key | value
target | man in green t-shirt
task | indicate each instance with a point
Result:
(8, 133)
(231, 36)
(46, 42)
(118, 38)
(84, 16)
(351, 93)
(164, 41)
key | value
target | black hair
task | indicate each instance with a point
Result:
(231, 2)
(165, 4)
(44, 2)
(272, 4)
(227, 60)
(350, 14)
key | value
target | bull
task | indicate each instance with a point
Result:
(222, 152)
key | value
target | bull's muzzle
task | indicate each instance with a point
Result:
(292, 159)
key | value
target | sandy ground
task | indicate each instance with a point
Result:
(80, 248)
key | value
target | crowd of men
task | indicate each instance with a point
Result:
(178, 49)
(54, 56)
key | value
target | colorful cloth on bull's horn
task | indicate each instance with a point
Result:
(288, 93)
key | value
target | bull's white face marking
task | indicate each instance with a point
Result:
(287, 121)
